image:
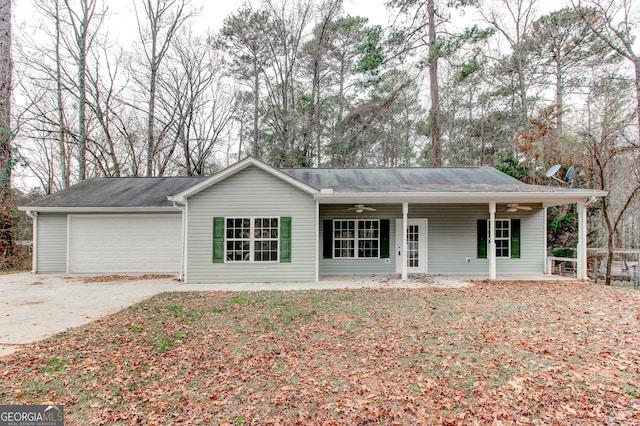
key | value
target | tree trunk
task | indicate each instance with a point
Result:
(64, 170)
(434, 113)
(523, 89)
(164, 18)
(82, 102)
(6, 66)
(151, 143)
(81, 32)
(256, 111)
(636, 66)
(559, 97)
(609, 264)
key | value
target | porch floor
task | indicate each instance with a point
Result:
(425, 280)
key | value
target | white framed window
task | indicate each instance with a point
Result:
(354, 239)
(503, 237)
(252, 239)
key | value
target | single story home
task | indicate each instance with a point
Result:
(255, 223)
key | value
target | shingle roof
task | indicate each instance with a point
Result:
(118, 192)
(467, 179)
(152, 192)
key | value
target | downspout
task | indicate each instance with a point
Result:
(317, 241)
(34, 251)
(183, 242)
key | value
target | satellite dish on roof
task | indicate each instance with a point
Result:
(553, 170)
(568, 177)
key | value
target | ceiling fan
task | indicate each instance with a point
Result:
(359, 208)
(514, 207)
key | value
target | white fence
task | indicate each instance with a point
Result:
(625, 265)
(566, 266)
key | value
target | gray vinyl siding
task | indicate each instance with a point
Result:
(251, 192)
(360, 266)
(52, 244)
(452, 238)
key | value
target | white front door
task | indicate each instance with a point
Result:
(416, 246)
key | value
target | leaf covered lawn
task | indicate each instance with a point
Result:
(495, 352)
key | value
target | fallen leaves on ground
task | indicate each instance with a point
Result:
(493, 353)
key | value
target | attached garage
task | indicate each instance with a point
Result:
(110, 226)
(124, 243)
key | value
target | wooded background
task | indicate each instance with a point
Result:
(299, 83)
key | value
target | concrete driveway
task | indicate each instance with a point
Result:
(33, 307)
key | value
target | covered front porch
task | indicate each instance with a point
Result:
(499, 239)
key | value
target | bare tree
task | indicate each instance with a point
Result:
(620, 31)
(57, 75)
(64, 169)
(81, 22)
(289, 21)
(105, 103)
(158, 22)
(612, 155)
(195, 92)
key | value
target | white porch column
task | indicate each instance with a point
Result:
(492, 241)
(405, 247)
(581, 267)
(545, 236)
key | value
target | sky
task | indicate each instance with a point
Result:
(375, 10)
(122, 16)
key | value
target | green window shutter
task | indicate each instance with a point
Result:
(384, 238)
(515, 238)
(218, 240)
(482, 238)
(327, 239)
(285, 240)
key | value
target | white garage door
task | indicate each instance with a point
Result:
(125, 243)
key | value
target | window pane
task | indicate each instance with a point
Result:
(265, 239)
(368, 238)
(502, 237)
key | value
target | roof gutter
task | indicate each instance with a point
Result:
(590, 201)
(457, 197)
(167, 209)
